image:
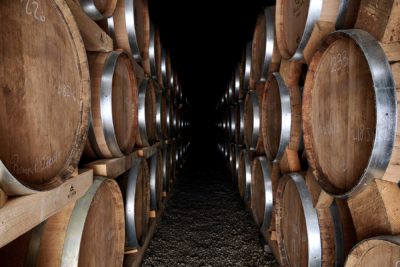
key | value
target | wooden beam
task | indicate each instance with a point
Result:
(21, 214)
(112, 168)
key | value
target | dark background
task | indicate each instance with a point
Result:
(206, 40)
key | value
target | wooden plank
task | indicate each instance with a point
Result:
(375, 210)
(21, 214)
(111, 168)
(93, 36)
(147, 152)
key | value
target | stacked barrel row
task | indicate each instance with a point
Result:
(312, 121)
(66, 101)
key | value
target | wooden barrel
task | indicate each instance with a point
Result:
(166, 68)
(241, 76)
(240, 126)
(89, 232)
(281, 117)
(156, 180)
(380, 18)
(172, 117)
(230, 91)
(131, 29)
(166, 168)
(135, 186)
(147, 120)
(98, 9)
(296, 20)
(244, 176)
(174, 150)
(261, 192)
(252, 120)
(114, 115)
(354, 137)
(232, 160)
(165, 115)
(265, 53)
(159, 112)
(45, 93)
(232, 122)
(378, 251)
(155, 53)
(309, 235)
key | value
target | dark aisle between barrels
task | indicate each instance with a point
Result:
(205, 222)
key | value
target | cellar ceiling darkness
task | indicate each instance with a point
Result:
(205, 39)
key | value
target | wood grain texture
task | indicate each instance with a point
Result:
(381, 19)
(21, 214)
(94, 38)
(290, 21)
(271, 118)
(149, 116)
(342, 121)
(142, 28)
(259, 45)
(327, 101)
(374, 252)
(291, 17)
(124, 104)
(291, 225)
(112, 168)
(250, 122)
(375, 211)
(103, 231)
(43, 88)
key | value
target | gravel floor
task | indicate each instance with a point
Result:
(205, 222)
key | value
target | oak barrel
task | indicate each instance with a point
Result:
(89, 232)
(350, 113)
(45, 92)
(131, 29)
(165, 115)
(232, 159)
(232, 122)
(240, 124)
(114, 115)
(261, 192)
(281, 117)
(155, 53)
(166, 168)
(309, 235)
(166, 68)
(147, 113)
(98, 9)
(135, 187)
(159, 106)
(377, 251)
(296, 21)
(244, 176)
(156, 180)
(265, 53)
(252, 120)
